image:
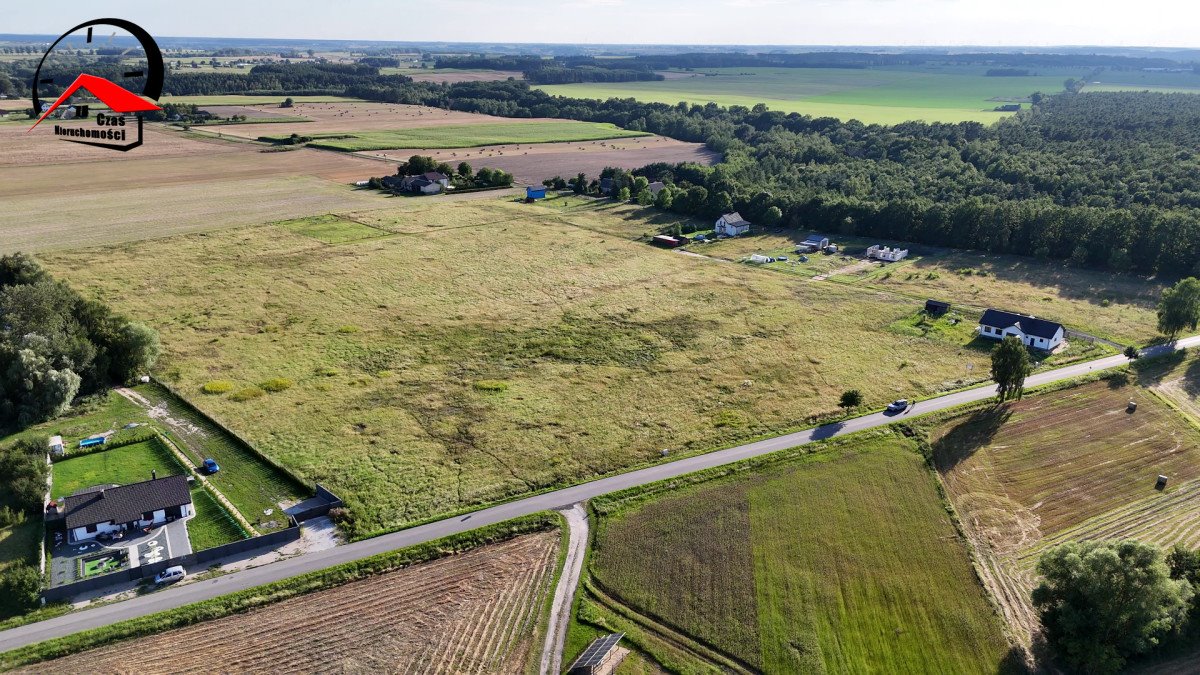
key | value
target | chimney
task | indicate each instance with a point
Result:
(153, 474)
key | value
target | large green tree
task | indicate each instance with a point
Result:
(1103, 602)
(1010, 367)
(1179, 308)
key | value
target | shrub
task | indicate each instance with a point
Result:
(326, 371)
(491, 386)
(347, 329)
(247, 394)
(733, 419)
(21, 585)
(217, 387)
(276, 384)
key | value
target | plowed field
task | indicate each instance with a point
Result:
(472, 613)
(1068, 466)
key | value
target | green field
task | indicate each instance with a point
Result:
(467, 135)
(123, 465)
(873, 96)
(331, 228)
(843, 561)
(394, 345)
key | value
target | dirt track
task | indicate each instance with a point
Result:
(471, 613)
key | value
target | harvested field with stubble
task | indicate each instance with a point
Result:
(471, 613)
(395, 345)
(842, 561)
(350, 116)
(534, 162)
(1067, 466)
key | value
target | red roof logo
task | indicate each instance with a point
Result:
(119, 99)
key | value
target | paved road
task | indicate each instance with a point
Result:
(182, 595)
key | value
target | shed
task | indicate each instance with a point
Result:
(936, 307)
(535, 192)
(56, 446)
(761, 259)
(666, 241)
(600, 656)
(813, 244)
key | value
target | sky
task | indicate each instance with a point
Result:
(1155, 23)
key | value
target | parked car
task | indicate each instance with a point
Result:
(211, 466)
(170, 575)
(897, 406)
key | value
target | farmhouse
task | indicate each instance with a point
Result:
(731, 225)
(886, 254)
(655, 187)
(427, 183)
(1034, 332)
(813, 244)
(115, 508)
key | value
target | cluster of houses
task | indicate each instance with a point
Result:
(429, 183)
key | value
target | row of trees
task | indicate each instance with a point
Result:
(55, 344)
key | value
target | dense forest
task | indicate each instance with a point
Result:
(563, 70)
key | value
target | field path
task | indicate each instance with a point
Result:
(179, 596)
(564, 595)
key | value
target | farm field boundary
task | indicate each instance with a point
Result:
(280, 590)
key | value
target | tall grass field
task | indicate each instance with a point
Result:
(468, 135)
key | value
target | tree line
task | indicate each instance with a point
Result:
(56, 345)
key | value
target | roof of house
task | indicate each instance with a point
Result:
(1027, 324)
(126, 503)
(434, 176)
(937, 303)
(734, 218)
(815, 239)
(655, 187)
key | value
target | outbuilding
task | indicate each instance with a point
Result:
(602, 656)
(936, 307)
(667, 241)
(535, 192)
(116, 508)
(813, 244)
(56, 446)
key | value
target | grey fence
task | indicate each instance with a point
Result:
(329, 501)
(269, 540)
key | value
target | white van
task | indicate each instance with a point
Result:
(170, 575)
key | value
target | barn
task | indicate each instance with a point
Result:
(535, 193)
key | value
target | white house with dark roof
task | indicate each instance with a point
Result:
(1034, 332)
(115, 508)
(731, 225)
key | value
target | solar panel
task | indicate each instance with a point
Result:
(597, 651)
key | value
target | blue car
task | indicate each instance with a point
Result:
(210, 466)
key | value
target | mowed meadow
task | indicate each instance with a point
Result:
(478, 350)
(1070, 465)
(844, 561)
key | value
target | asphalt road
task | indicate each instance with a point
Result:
(178, 596)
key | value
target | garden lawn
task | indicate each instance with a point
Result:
(211, 526)
(122, 466)
(469, 135)
(843, 561)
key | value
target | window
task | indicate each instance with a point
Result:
(91, 529)
(149, 515)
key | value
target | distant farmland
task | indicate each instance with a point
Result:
(1066, 466)
(842, 561)
(466, 136)
(873, 95)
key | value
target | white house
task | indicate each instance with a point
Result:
(813, 244)
(115, 508)
(1034, 332)
(887, 254)
(732, 224)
